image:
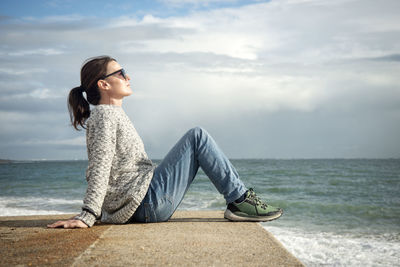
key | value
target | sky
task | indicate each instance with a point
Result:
(267, 79)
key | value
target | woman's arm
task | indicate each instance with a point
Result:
(101, 144)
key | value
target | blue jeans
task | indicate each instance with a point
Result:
(176, 172)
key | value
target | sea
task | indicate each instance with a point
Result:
(337, 212)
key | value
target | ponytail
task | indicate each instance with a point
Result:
(93, 70)
(78, 107)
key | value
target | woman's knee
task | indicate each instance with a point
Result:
(197, 136)
(198, 131)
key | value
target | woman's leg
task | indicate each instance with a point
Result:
(175, 173)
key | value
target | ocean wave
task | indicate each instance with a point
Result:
(202, 201)
(15, 206)
(333, 249)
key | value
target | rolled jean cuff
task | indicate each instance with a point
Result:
(235, 195)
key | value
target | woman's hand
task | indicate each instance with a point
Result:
(68, 224)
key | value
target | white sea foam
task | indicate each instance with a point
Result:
(333, 249)
(202, 201)
(15, 206)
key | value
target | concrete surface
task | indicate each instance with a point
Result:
(190, 238)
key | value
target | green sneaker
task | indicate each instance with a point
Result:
(252, 209)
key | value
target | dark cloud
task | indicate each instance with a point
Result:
(81, 32)
(389, 58)
(5, 18)
(55, 26)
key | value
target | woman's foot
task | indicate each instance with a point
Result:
(252, 209)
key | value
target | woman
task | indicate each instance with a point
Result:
(123, 184)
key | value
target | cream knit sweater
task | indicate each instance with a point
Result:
(119, 171)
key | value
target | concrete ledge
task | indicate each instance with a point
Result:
(190, 238)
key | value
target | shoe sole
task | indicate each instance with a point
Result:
(233, 217)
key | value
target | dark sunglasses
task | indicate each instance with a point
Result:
(121, 71)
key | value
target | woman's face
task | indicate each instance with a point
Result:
(119, 86)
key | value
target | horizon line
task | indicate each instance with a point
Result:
(244, 158)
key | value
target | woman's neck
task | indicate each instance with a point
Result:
(113, 102)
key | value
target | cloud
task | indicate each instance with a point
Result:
(41, 52)
(18, 72)
(275, 79)
(393, 57)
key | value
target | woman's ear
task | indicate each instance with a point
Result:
(103, 85)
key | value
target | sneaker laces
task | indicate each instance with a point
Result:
(252, 196)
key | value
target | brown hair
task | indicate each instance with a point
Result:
(93, 70)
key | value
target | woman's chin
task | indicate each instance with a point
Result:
(128, 92)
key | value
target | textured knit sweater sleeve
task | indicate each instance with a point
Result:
(119, 171)
(101, 142)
